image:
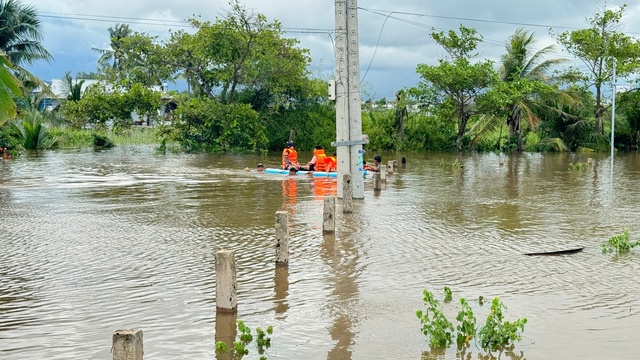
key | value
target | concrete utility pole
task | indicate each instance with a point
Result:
(346, 90)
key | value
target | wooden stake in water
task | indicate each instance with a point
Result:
(282, 238)
(226, 284)
(390, 167)
(383, 173)
(127, 345)
(329, 215)
(347, 194)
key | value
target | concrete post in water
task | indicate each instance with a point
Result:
(376, 181)
(383, 173)
(226, 284)
(329, 215)
(395, 166)
(347, 195)
(282, 238)
(127, 345)
(390, 167)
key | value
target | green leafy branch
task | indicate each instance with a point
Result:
(619, 243)
(495, 334)
(244, 338)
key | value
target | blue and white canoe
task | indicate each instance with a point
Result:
(302, 172)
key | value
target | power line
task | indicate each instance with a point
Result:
(158, 22)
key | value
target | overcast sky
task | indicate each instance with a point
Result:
(394, 35)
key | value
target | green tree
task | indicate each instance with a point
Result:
(205, 124)
(112, 57)
(241, 52)
(528, 82)
(142, 61)
(457, 81)
(20, 36)
(598, 47)
(630, 108)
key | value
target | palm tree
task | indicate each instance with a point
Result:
(520, 65)
(20, 34)
(112, 57)
(9, 84)
(31, 132)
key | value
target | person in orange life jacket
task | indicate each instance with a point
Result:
(290, 157)
(376, 164)
(317, 161)
(331, 163)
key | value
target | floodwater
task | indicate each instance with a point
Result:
(92, 242)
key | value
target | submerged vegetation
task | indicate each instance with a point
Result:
(496, 334)
(244, 338)
(620, 243)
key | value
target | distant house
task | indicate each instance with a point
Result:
(61, 90)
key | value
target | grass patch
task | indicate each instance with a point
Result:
(79, 138)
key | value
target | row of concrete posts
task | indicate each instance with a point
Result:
(127, 344)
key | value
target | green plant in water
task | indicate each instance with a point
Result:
(497, 333)
(31, 132)
(244, 338)
(577, 166)
(466, 324)
(434, 323)
(102, 142)
(448, 295)
(619, 243)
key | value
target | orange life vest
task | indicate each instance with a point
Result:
(320, 160)
(291, 154)
(331, 163)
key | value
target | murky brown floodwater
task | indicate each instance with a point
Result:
(92, 242)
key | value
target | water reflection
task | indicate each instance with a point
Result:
(464, 353)
(342, 252)
(226, 331)
(323, 187)
(342, 257)
(281, 290)
(289, 193)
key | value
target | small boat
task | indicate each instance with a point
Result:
(331, 174)
(556, 252)
(283, 172)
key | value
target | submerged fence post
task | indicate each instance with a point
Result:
(226, 284)
(329, 215)
(395, 165)
(390, 167)
(282, 238)
(376, 181)
(347, 194)
(383, 173)
(127, 345)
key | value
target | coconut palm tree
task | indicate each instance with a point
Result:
(20, 36)
(9, 84)
(528, 72)
(111, 58)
